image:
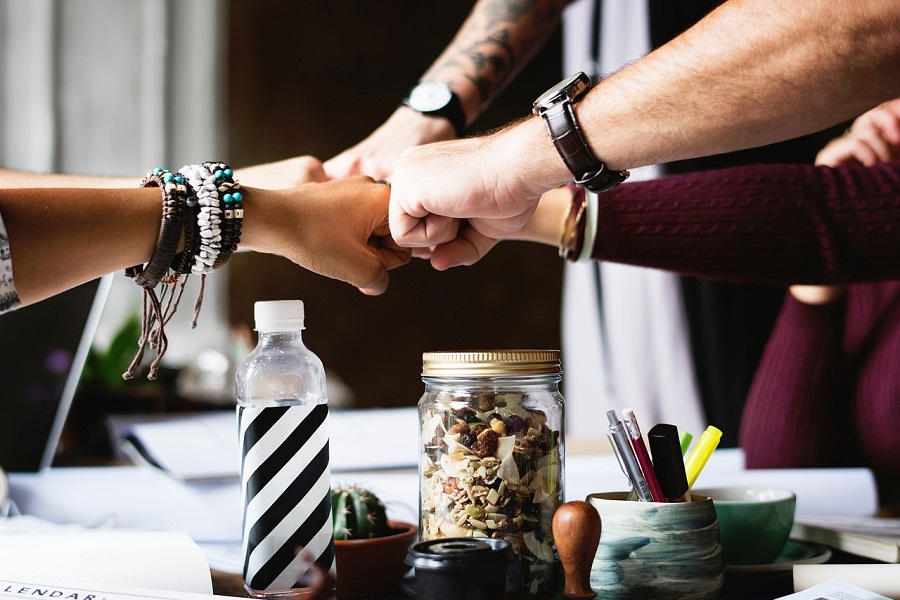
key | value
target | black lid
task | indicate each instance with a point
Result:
(458, 553)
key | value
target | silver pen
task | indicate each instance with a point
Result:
(622, 446)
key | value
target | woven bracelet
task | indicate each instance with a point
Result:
(174, 198)
(209, 217)
(175, 195)
(232, 204)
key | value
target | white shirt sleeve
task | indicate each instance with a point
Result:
(9, 299)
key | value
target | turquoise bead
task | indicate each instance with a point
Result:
(179, 179)
(228, 172)
(168, 178)
(238, 197)
(227, 198)
(219, 174)
(157, 170)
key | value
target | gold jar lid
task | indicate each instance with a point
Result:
(490, 362)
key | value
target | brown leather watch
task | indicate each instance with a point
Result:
(555, 106)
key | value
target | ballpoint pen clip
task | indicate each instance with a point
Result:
(615, 448)
(631, 428)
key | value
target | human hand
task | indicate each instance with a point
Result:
(490, 181)
(337, 228)
(375, 156)
(873, 137)
(282, 174)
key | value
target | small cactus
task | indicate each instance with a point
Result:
(357, 514)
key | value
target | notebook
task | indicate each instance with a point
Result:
(43, 349)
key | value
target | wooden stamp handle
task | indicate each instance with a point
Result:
(576, 531)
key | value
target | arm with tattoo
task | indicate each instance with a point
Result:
(497, 39)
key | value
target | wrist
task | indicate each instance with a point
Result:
(256, 230)
(531, 155)
(429, 129)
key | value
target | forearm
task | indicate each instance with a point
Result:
(776, 224)
(10, 178)
(497, 39)
(753, 72)
(60, 238)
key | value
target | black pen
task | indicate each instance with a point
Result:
(668, 463)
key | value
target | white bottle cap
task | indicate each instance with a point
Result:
(278, 315)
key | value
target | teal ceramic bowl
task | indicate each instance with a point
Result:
(665, 551)
(754, 522)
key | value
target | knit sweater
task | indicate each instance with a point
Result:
(827, 390)
(767, 224)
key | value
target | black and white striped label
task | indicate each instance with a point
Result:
(286, 494)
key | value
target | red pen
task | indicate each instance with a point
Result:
(643, 457)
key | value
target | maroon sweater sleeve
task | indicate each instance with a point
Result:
(769, 224)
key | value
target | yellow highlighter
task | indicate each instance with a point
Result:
(703, 449)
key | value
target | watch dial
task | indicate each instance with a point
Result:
(429, 96)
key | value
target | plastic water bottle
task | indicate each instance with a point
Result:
(285, 479)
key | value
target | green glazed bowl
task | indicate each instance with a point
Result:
(754, 522)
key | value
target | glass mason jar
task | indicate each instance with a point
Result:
(492, 456)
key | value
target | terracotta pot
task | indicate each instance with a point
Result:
(369, 567)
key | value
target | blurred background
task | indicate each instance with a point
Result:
(115, 88)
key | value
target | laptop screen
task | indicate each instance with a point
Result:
(43, 348)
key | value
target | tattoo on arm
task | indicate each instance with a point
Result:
(496, 41)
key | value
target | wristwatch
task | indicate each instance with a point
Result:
(436, 99)
(556, 107)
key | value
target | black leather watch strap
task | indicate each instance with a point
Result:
(454, 113)
(589, 171)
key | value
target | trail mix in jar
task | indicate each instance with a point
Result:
(491, 468)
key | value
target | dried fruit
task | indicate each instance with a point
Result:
(515, 424)
(459, 428)
(485, 444)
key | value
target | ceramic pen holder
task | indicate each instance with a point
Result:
(658, 550)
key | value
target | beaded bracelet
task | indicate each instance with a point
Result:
(232, 212)
(193, 202)
(220, 215)
(209, 216)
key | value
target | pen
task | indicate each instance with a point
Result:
(643, 457)
(668, 463)
(703, 449)
(685, 438)
(627, 460)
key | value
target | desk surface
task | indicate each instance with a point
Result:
(738, 585)
(143, 497)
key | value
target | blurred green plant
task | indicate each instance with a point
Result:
(104, 368)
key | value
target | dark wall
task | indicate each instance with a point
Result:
(315, 78)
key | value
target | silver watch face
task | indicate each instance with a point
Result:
(429, 96)
(567, 89)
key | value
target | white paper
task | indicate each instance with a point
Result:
(205, 446)
(834, 589)
(192, 447)
(131, 497)
(882, 579)
(49, 587)
(158, 559)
